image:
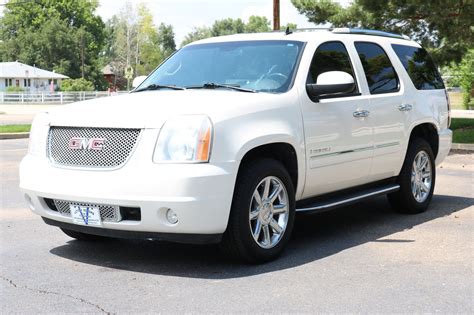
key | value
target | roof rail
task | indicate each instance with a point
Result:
(361, 31)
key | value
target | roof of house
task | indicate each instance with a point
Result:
(108, 70)
(20, 70)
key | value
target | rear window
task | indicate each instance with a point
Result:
(420, 67)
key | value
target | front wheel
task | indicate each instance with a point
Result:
(416, 180)
(262, 213)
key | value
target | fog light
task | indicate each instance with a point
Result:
(171, 216)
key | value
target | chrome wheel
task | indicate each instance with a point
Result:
(269, 212)
(421, 177)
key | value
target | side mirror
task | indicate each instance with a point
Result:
(138, 80)
(331, 82)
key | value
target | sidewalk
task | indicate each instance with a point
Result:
(459, 113)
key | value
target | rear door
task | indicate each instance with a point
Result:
(388, 116)
(339, 144)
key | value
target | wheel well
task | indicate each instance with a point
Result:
(282, 152)
(429, 133)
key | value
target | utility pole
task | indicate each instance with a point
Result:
(276, 15)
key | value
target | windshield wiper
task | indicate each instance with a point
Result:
(159, 86)
(212, 85)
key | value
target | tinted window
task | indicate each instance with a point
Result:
(420, 67)
(380, 74)
(330, 56)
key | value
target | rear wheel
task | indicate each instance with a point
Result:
(416, 180)
(262, 213)
(82, 236)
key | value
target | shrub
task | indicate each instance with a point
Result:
(76, 85)
(15, 89)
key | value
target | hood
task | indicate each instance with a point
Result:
(150, 109)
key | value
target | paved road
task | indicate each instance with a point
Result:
(362, 258)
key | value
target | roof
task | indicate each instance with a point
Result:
(20, 70)
(311, 35)
(108, 70)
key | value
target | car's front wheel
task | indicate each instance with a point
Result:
(262, 213)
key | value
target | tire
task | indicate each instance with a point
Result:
(408, 200)
(82, 236)
(247, 213)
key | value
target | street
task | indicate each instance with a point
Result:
(359, 259)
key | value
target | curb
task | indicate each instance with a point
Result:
(14, 135)
(462, 146)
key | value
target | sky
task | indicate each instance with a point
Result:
(184, 15)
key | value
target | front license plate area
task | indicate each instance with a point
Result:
(85, 215)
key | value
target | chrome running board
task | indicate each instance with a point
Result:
(346, 199)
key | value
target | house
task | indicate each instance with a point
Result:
(109, 76)
(28, 78)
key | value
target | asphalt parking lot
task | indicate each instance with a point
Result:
(362, 258)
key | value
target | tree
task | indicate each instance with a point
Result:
(136, 41)
(257, 24)
(61, 35)
(76, 85)
(443, 27)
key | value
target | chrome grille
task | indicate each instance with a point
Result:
(117, 147)
(107, 212)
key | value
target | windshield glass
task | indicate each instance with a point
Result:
(264, 66)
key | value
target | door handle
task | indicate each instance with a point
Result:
(361, 113)
(405, 107)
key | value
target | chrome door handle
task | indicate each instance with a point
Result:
(361, 113)
(405, 107)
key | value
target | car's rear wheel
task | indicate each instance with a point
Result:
(416, 180)
(262, 213)
(82, 236)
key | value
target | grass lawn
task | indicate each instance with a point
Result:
(14, 128)
(463, 130)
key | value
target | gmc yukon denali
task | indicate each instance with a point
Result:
(231, 137)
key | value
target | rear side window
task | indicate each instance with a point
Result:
(420, 67)
(379, 72)
(330, 56)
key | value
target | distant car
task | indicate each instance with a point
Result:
(232, 136)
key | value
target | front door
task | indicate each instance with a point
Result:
(338, 131)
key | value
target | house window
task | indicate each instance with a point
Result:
(8, 82)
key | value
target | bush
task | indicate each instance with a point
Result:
(76, 85)
(15, 89)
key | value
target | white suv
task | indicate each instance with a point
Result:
(230, 137)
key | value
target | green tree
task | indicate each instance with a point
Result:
(76, 85)
(443, 27)
(257, 24)
(61, 35)
(197, 33)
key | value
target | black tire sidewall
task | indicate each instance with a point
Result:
(407, 200)
(252, 174)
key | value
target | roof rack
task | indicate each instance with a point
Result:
(359, 31)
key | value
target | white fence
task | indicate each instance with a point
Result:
(51, 98)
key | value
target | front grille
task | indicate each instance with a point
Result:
(107, 212)
(117, 147)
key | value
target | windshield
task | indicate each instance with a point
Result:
(263, 66)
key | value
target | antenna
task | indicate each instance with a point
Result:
(288, 31)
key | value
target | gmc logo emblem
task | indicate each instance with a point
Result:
(78, 143)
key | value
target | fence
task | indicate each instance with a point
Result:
(51, 98)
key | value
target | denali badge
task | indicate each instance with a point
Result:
(77, 143)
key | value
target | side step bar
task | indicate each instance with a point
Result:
(325, 204)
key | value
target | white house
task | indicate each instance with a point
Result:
(29, 78)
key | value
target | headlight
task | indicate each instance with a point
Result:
(38, 135)
(184, 139)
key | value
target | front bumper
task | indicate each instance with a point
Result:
(200, 194)
(445, 142)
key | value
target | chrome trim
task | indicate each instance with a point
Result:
(378, 146)
(386, 145)
(344, 201)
